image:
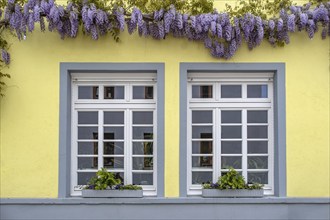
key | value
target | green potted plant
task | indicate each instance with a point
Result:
(105, 184)
(232, 184)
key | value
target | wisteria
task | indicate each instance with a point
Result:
(220, 33)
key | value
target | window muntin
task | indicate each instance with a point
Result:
(107, 130)
(242, 131)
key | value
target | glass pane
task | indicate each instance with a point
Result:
(142, 148)
(88, 118)
(257, 91)
(111, 133)
(201, 177)
(143, 92)
(142, 163)
(231, 147)
(87, 133)
(257, 147)
(201, 131)
(258, 162)
(235, 162)
(231, 91)
(257, 131)
(202, 117)
(88, 92)
(88, 148)
(257, 116)
(113, 148)
(114, 92)
(202, 147)
(205, 162)
(143, 118)
(258, 177)
(231, 117)
(114, 118)
(87, 163)
(113, 162)
(120, 176)
(204, 91)
(143, 179)
(231, 132)
(83, 178)
(143, 133)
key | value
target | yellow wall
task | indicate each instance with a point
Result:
(30, 110)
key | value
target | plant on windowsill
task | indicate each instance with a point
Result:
(106, 185)
(232, 184)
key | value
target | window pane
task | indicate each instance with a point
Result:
(231, 117)
(143, 133)
(231, 91)
(114, 118)
(88, 92)
(231, 147)
(202, 117)
(114, 92)
(205, 162)
(201, 177)
(258, 162)
(257, 147)
(143, 178)
(257, 91)
(257, 131)
(87, 133)
(202, 147)
(204, 91)
(231, 132)
(119, 176)
(143, 92)
(111, 133)
(83, 178)
(257, 116)
(229, 161)
(88, 148)
(87, 163)
(201, 131)
(258, 177)
(87, 118)
(113, 162)
(142, 148)
(113, 148)
(143, 118)
(142, 163)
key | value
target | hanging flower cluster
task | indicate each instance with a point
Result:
(221, 34)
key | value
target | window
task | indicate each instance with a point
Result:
(112, 121)
(232, 128)
(231, 119)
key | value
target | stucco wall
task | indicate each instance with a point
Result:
(30, 109)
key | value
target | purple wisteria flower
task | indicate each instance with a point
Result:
(291, 23)
(169, 17)
(279, 24)
(208, 43)
(5, 56)
(11, 1)
(120, 18)
(271, 25)
(311, 28)
(219, 30)
(303, 19)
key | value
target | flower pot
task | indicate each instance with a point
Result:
(89, 193)
(232, 193)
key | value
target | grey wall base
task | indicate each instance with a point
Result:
(155, 208)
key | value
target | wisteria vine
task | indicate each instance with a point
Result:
(221, 33)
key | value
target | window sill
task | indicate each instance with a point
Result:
(154, 200)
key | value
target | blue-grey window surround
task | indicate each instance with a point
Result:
(279, 114)
(66, 69)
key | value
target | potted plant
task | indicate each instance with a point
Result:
(106, 185)
(232, 184)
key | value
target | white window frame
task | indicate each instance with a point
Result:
(216, 104)
(128, 105)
